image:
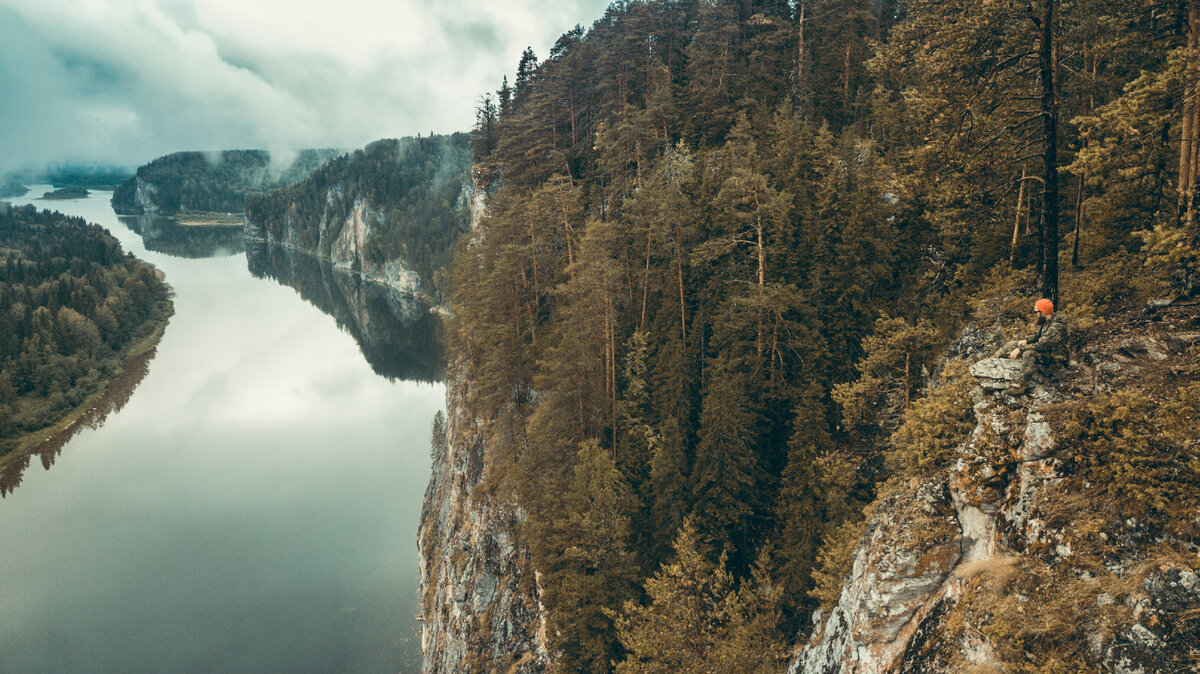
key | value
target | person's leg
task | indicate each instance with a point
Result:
(1008, 347)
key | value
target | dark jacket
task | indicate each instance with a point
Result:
(1050, 342)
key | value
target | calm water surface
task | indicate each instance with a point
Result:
(254, 505)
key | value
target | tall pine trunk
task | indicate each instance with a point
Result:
(1048, 58)
(1190, 116)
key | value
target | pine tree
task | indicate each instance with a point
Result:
(890, 372)
(798, 510)
(728, 479)
(697, 621)
(588, 568)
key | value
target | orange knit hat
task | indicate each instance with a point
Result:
(1045, 306)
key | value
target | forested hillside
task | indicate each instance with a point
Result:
(12, 188)
(71, 305)
(729, 241)
(393, 200)
(211, 181)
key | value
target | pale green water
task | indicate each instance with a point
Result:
(253, 507)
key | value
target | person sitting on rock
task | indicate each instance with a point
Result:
(1042, 353)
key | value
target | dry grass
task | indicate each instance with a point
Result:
(1000, 569)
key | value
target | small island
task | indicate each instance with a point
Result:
(67, 193)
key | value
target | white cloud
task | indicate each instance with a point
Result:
(128, 80)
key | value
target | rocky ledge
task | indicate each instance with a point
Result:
(481, 609)
(950, 561)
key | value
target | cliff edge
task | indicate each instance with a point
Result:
(1063, 531)
(479, 594)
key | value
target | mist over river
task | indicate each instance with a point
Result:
(252, 507)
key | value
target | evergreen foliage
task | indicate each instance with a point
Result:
(697, 621)
(1137, 452)
(938, 422)
(728, 239)
(210, 181)
(71, 303)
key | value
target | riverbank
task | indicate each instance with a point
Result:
(110, 396)
(210, 219)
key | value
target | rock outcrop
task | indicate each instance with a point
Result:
(996, 374)
(905, 557)
(480, 609)
(343, 243)
(917, 597)
(903, 574)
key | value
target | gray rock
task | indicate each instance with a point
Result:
(1038, 438)
(1178, 341)
(994, 374)
(1144, 346)
(900, 564)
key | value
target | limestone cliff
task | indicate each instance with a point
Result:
(1007, 548)
(480, 596)
(342, 241)
(480, 604)
(392, 211)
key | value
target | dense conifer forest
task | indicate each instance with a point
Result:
(414, 188)
(211, 181)
(71, 305)
(727, 245)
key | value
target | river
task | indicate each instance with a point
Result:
(253, 505)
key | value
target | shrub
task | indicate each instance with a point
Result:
(936, 424)
(1135, 450)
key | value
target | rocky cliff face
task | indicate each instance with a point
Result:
(342, 241)
(479, 593)
(948, 561)
(143, 197)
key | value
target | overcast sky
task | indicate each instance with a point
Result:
(125, 81)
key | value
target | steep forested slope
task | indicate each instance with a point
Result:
(71, 304)
(210, 181)
(727, 242)
(395, 201)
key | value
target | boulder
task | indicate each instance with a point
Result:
(996, 374)
(1143, 346)
(1179, 341)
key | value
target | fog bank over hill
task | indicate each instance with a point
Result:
(123, 81)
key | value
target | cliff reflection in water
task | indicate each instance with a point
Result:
(167, 236)
(118, 393)
(396, 332)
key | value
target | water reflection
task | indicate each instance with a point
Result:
(252, 508)
(397, 333)
(118, 393)
(166, 235)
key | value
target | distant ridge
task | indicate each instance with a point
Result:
(211, 181)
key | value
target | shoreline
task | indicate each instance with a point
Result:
(95, 408)
(418, 294)
(209, 219)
